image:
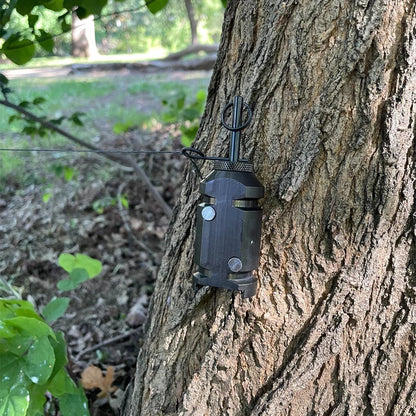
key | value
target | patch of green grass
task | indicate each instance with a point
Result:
(56, 90)
(156, 88)
(52, 61)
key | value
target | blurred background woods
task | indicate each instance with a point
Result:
(126, 27)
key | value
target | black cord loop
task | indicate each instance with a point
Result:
(195, 154)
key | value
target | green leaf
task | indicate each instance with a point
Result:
(67, 262)
(15, 401)
(79, 276)
(46, 197)
(75, 118)
(6, 331)
(42, 132)
(30, 131)
(77, 121)
(188, 134)
(180, 102)
(98, 206)
(38, 100)
(32, 20)
(59, 348)
(19, 51)
(30, 326)
(24, 104)
(80, 261)
(57, 121)
(66, 284)
(91, 7)
(66, 27)
(11, 308)
(201, 96)
(68, 173)
(14, 395)
(37, 400)
(74, 404)
(14, 117)
(76, 277)
(119, 128)
(40, 360)
(156, 5)
(45, 41)
(69, 4)
(190, 114)
(3, 79)
(55, 5)
(124, 201)
(61, 384)
(55, 309)
(224, 3)
(24, 7)
(10, 369)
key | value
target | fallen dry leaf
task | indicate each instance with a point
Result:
(92, 377)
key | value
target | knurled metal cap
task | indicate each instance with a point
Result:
(239, 166)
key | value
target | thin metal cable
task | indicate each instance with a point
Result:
(147, 152)
(189, 152)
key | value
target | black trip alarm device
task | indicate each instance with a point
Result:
(228, 227)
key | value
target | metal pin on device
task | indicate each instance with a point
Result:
(227, 245)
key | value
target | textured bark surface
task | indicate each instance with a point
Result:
(332, 328)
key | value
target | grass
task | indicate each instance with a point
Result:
(54, 61)
(108, 102)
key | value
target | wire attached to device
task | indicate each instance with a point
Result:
(189, 152)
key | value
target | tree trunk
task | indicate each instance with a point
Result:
(332, 328)
(83, 37)
(192, 21)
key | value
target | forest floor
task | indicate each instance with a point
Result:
(104, 323)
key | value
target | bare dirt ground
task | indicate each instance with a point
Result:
(104, 324)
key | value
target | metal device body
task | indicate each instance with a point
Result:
(227, 247)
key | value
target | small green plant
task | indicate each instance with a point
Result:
(100, 205)
(188, 115)
(64, 171)
(33, 356)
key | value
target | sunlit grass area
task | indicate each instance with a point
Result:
(110, 105)
(154, 53)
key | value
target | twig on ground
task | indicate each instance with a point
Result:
(127, 225)
(104, 343)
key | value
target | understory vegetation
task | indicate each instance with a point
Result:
(56, 204)
(68, 342)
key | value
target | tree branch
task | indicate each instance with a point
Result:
(125, 161)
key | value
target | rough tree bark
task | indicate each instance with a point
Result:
(332, 328)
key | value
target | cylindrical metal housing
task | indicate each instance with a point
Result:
(228, 232)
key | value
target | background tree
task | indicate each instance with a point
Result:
(331, 330)
(193, 22)
(83, 37)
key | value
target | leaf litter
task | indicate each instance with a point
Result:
(103, 325)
